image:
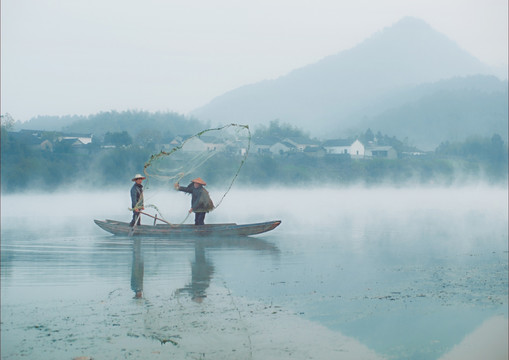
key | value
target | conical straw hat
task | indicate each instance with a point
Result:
(138, 176)
(199, 181)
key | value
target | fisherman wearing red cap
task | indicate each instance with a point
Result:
(200, 200)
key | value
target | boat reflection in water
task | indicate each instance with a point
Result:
(202, 268)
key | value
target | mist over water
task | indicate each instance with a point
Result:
(382, 272)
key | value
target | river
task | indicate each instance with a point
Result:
(351, 273)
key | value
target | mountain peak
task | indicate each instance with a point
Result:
(337, 88)
(411, 32)
(411, 22)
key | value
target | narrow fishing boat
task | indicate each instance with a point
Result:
(173, 230)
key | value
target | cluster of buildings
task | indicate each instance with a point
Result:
(47, 141)
(354, 148)
(277, 147)
(273, 146)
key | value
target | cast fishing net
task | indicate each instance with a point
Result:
(214, 155)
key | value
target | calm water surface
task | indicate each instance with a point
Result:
(350, 273)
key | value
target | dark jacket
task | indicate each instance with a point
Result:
(200, 199)
(137, 196)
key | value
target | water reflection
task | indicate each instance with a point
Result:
(201, 274)
(423, 278)
(137, 270)
(202, 267)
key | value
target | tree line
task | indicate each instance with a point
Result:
(477, 158)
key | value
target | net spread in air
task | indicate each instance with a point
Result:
(215, 155)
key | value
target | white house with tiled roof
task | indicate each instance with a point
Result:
(80, 139)
(282, 147)
(348, 147)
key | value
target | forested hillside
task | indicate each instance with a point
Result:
(140, 125)
(112, 160)
(446, 114)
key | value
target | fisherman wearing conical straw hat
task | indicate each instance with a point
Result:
(200, 200)
(137, 198)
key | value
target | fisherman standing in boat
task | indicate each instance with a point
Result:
(200, 200)
(137, 199)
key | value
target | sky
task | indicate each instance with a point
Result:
(86, 56)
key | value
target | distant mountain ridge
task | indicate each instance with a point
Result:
(334, 94)
(445, 112)
(407, 81)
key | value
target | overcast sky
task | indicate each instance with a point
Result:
(86, 56)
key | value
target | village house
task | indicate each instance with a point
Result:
(381, 152)
(79, 143)
(46, 145)
(212, 143)
(301, 143)
(347, 147)
(201, 143)
(315, 151)
(168, 144)
(79, 139)
(194, 144)
(262, 145)
(46, 140)
(282, 147)
(275, 146)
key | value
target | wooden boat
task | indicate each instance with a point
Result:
(167, 230)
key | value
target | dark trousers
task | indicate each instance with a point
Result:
(199, 218)
(135, 215)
